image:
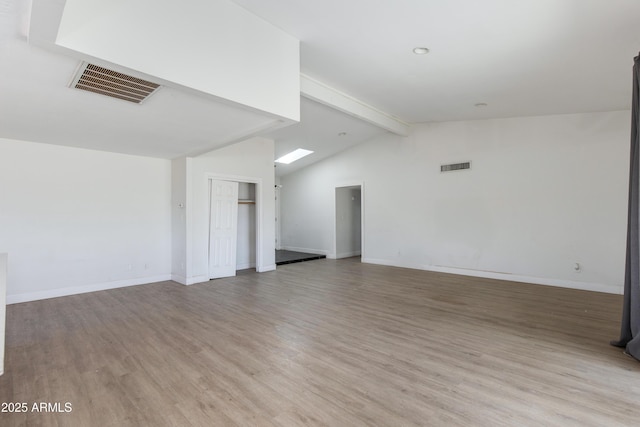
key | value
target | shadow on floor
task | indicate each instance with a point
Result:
(289, 257)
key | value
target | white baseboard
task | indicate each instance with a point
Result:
(348, 254)
(201, 279)
(197, 279)
(585, 286)
(264, 269)
(188, 281)
(245, 266)
(180, 279)
(61, 292)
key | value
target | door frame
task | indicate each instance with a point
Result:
(278, 209)
(259, 191)
(360, 184)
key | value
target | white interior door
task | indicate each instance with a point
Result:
(223, 228)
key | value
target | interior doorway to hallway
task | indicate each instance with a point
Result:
(349, 235)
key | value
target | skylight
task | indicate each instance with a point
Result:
(293, 156)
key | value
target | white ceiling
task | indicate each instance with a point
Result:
(38, 105)
(524, 57)
(319, 130)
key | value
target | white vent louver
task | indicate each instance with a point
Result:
(112, 83)
(455, 167)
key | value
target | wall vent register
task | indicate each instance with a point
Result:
(455, 167)
(111, 83)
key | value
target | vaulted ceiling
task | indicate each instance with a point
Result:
(520, 58)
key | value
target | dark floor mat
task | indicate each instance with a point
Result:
(289, 257)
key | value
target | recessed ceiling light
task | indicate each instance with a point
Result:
(293, 156)
(480, 105)
(420, 50)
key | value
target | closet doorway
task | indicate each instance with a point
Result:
(233, 220)
(246, 247)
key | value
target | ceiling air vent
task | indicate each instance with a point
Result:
(455, 167)
(112, 83)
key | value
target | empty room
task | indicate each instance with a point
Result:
(458, 178)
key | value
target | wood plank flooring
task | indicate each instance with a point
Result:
(326, 342)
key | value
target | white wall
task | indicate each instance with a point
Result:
(75, 220)
(543, 193)
(247, 161)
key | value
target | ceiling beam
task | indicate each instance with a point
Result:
(326, 95)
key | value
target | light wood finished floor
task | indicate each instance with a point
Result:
(325, 342)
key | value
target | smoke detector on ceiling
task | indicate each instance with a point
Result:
(111, 83)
